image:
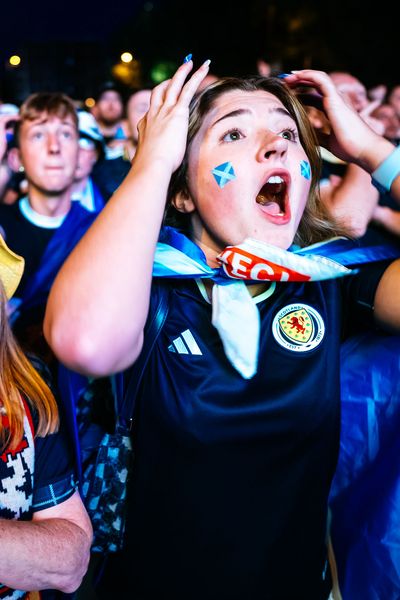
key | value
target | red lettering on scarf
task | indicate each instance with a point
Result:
(239, 264)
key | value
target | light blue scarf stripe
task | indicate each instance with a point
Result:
(172, 262)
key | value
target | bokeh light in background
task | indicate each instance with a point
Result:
(126, 57)
(142, 41)
(162, 71)
(14, 60)
(90, 102)
(127, 72)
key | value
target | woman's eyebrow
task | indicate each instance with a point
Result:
(241, 111)
(233, 113)
(282, 111)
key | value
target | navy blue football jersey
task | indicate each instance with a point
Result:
(228, 496)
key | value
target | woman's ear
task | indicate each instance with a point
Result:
(183, 203)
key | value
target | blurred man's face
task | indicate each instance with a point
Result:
(48, 150)
(394, 99)
(138, 105)
(87, 157)
(109, 107)
(387, 115)
(352, 89)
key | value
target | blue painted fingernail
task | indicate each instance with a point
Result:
(283, 75)
(187, 58)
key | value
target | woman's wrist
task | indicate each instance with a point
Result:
(387, 170)
(375, 154)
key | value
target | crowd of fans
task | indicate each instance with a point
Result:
(60, 166)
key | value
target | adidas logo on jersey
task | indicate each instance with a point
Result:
(185, 344)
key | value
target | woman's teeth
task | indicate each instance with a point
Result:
(272, 196)
(275, 179)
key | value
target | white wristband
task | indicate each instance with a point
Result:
(388, 170)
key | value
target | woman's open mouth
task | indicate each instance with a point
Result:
(274, 200)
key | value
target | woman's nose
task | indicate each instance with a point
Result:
(272, 146)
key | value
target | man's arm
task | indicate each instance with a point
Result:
(388, 218)
(352, 200)
(387, 298)
(50, 552)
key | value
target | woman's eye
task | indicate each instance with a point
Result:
(232, 136)
(289, 134)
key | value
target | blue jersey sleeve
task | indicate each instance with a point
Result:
(54, 479)
(54, 474)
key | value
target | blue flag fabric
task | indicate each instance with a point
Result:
(350, 253)
(365, 495)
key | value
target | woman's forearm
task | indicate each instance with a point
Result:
(106, 279)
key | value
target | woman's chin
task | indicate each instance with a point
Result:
(280, 239)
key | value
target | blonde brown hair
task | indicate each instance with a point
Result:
(54, 104)
(316, 223)
(18, 378)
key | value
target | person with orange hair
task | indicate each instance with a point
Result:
(44, 529)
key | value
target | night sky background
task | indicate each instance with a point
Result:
(73, 46)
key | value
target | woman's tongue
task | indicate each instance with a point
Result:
(272, 208)
(269, 206)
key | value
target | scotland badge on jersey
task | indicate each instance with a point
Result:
(298, 327)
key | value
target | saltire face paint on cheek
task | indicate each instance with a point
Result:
(224, 173)
(305, 169)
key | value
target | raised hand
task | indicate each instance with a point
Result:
(366, 113)
(350, 137)
(163, 130)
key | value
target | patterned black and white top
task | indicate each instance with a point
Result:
(36, 475)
